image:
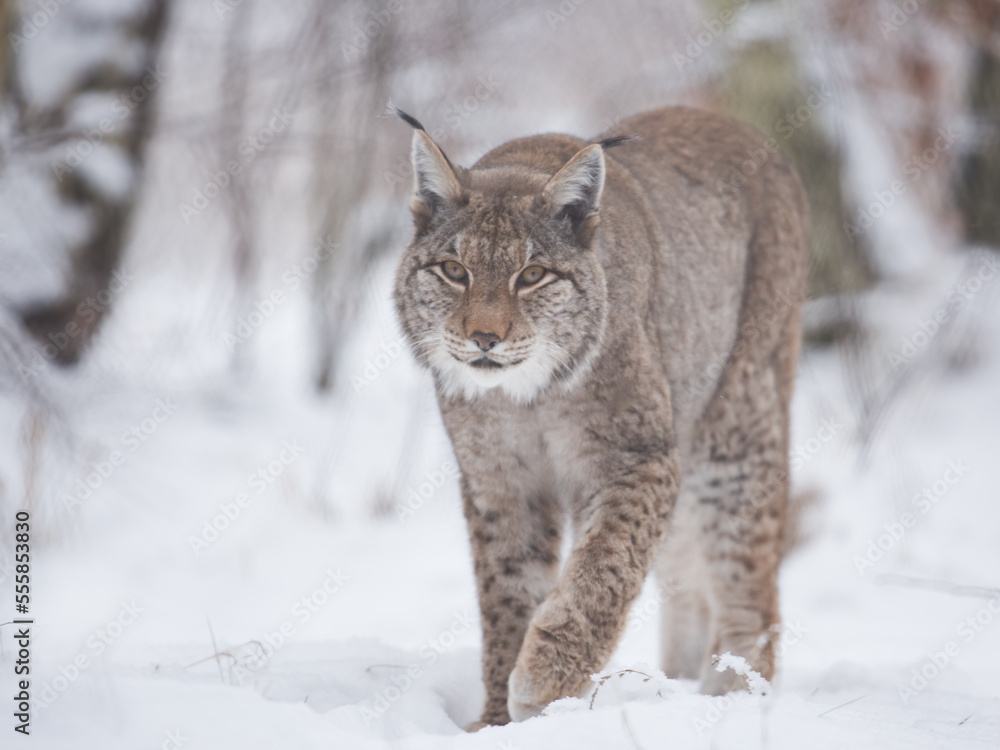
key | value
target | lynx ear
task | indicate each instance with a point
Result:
(574, 191)
(436, 186)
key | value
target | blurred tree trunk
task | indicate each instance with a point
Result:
(978, 188)
(764, 86)
(71, 320)
(345, 150)
(239, 200)
(8, 20)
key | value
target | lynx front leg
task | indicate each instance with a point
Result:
(575, 631)
(515, 549)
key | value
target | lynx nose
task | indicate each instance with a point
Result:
(485, 341)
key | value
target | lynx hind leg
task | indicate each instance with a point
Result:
(684, 614)
(742, 496)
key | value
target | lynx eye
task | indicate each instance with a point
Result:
(531, 276)
(454, 271)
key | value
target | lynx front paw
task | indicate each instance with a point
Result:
(552, 663)
(523, 699)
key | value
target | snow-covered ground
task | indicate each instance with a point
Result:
(262, 569)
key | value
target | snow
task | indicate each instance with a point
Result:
(267, 567)
(340, 622)
(756, 685)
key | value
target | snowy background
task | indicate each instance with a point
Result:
(246, 530)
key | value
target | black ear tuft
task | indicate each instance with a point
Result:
(410, 120)
(392, 110)
(617, 140)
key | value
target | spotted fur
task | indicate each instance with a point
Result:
(637, 399)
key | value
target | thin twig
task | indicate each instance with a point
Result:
(216, 650)
(209, 658)
(947, 587)
(852, 700)
(619, 673)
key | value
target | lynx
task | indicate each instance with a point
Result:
(613, 335)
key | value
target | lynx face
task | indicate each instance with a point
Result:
(499, 287)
